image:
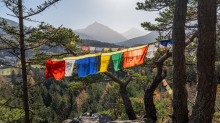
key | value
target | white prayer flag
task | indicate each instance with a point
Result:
(92, 49)
(152, 50)
(69, 64)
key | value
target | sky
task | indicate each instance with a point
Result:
(119, 15)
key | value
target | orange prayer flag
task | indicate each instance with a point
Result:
(165, 83)
(134, 57)
(85, 48)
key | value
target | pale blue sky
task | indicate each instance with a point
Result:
(120, 15)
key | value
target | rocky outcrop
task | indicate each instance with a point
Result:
(70, 121)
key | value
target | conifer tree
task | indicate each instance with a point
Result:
(13, 77)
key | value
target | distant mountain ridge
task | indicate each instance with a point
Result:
(101, 33)
(146, 39)
(133, 33)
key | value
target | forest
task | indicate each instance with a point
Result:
(190, 67)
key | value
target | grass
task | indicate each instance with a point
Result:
(5, 71)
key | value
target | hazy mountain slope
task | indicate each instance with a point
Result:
(103, 33)
(149, 38)
(84, 36)
(10, 23)
(133, 33)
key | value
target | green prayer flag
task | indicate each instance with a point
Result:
(194, 40)
(78, 47)
(167, 87)
(116, 61)
(194, 58)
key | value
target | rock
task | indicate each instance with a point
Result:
(87, 119)
(70, 121)
(168, 121)
(104, 118)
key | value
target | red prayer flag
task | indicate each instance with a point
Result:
(134, 57)
(55, 69)
(121, 48)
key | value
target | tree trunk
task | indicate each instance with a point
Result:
(24, 72)
(148, 96)
(127, 102)
(180, 95)
(203, 109)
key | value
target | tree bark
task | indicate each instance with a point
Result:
(180, 95)
(203, 109)
(24, 71)
(148, 96)
(127, 102)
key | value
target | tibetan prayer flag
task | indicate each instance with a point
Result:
(55, 69)
(79, 48)
(192, 43)
(167, 87)
(194, 59)
(69, 64)
(121, 48)
(85, 48)
(152, 50)
(170, 91)
(165, 83)
(72, 42)
(104, 63)
(116, 61)
(114, 49)
(193, 52)
(165, 42)
(106, 49)
(86, 66)
(162, 48)
(98, 49)
(92, 49)
(134, 57)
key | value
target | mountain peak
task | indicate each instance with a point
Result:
(134, 32)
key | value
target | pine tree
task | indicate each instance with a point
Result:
(13, 77)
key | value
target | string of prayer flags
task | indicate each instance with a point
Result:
(104, 63)
(134, 57)
(98, 49)
(69, 64)
(116, 61)
(85, 48)
(92, 49)
(167, 87)
(165, 42)
(114, 49)
(55, 69)
(106, 50)
(165, 82)
(152, 50)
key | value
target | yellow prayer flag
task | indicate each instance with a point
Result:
(72, 42)
(170, 91)
(104, 63)
(192, 43)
